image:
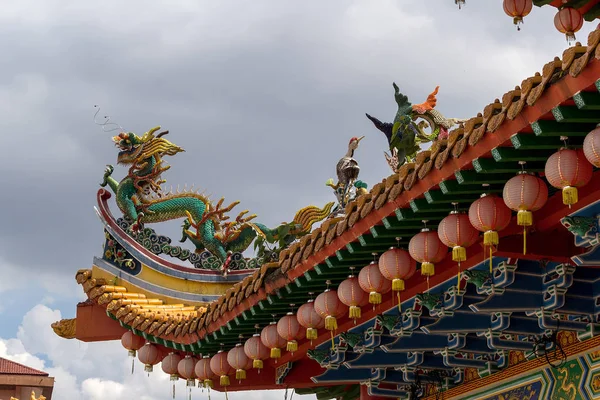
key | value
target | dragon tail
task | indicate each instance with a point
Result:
(310, 215)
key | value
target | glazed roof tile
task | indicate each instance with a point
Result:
(9, 367)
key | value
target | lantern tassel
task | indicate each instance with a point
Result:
(224, 380)
(292, 346)
(132, 365)
(397, 285)
(355, 313)
(173, 390)
(332, 342)
(209, 393)
(491, 266)
(257, 364)
(240, 374)
(570, 195)
(275, 353)
(208, 384)
(458, 277)
(524, 219)
(375, 298)
(459, 253)
(190, 383)
(330, 323)
(311, 334)
(148, 368)
(399, 303)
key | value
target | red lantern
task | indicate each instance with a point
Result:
(239, 361)
(568, 170)
(149, 356)
(517, 9)
(132, 342)
(310, 319)
(221, 368)
(489, 215)
(270, 338)
(256, 351)
(329, 307)
(427, 248)
(456, 231)
(372, 282)
(169, 366)
(187, 370)
(525, 193)
(591, 147)
(397, 265)
(351, 294)
(568, 20)
(204, 373)
(290, 330)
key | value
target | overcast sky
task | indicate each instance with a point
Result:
(263, 95)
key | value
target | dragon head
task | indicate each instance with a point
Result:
(134, 148)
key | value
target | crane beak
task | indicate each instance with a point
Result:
(359, 139)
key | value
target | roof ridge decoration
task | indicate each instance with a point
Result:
(141, 199)
(382, 199)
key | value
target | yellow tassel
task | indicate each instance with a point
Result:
(397, 285)
(276, 353)
(311, 333)
(330, 323)
(524, 240)
(257, 364)
(208, 383)
(459, 253)
(491, 249)
(148, 368)
(427, 269)
(524, 218)
(569, 195)
(354, 312)
(224, 380)
(490, 238)
(240, 374)
(399, 303)
(190, 383)
(375, 298)
(292, 346)
(332, 342)
(458, 278)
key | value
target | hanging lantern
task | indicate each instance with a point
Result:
(169, 366)
(489, 215)
(517, 9)
(203, 372)
(351, 294)
(568, 20)
(256, 351)
(187, 370)
(149, 356)
(398, 266)
(132, 343)
(329, 307)
(221, 368)
(456, 231)
(427, 248)
(239, 361)
(372, 282)
(525, 193)
(310, 319)
(270, 338)
(591, 147)
(290, 330)
(567, 169)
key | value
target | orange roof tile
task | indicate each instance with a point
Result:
(8, 367)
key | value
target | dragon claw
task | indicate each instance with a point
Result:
(107, 173)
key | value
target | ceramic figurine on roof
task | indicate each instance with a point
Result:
(141, 199)
(405, 134)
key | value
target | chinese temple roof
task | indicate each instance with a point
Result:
(9, 367)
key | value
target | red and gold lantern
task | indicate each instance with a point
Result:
(351, 294)
(239, 361)
(310, 319)
(270, 338)
(329, 307)
(290, 330)
(203, 372)
(568, 20)
(256, 351)
(524, 194)
(187, 370)
(591, 147)
(427, 248)
(489, 215)
(149, 355)
(169, 366)
(132, 342)
(221, 368)
(397, 266)
(456, 231)
(567, 169)
(372, 281)
(517, 9)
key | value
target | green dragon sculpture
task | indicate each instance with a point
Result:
(405, 135)
(139, 196)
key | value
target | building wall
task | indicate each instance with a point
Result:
(6, 392)
(577, 379)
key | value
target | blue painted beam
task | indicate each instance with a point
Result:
(460, 321)
(418, 341)
(378, 359)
